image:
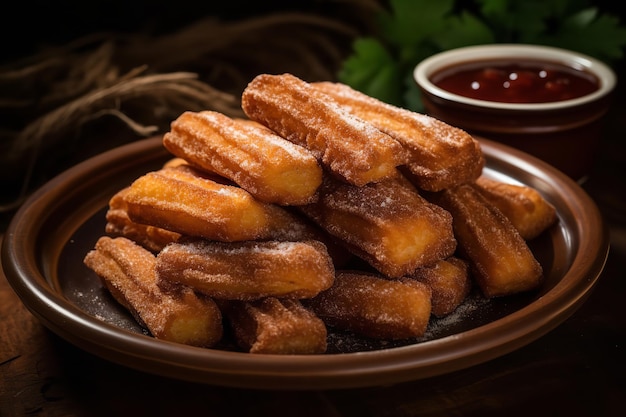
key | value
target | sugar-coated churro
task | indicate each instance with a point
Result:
(530, 213)
(449, 281)
(374, 306)
(386, 223)
(501, 261)
(345, 144)
(269, 167)
(128, 271)
(275, 326)
(183, 200)
(441, 155)
(248, 270)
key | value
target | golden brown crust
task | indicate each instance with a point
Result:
(119, 224)
(128, 272)
(441, 155)
(214, 217)
(346, 145)
(374, 306)
(449, 281)
(386, 223)
(529, 212)
(272, 169)
(501, 261)
(248, 270)
(184, 201)
(276, 326)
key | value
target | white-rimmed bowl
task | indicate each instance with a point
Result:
(563, 133)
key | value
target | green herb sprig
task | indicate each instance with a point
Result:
(411, 30)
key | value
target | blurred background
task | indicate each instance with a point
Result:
(78, 78)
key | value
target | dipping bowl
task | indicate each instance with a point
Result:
(563, 132)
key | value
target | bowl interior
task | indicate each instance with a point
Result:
(514, 52)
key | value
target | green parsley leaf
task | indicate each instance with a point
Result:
(463, 30)
(591, 33)
(410, 22)
(372, 70)
(411, 30)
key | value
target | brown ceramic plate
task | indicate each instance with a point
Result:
(46, 241)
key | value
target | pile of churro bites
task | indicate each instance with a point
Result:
(324, 209)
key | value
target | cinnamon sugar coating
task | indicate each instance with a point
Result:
(373, 306)
(343, 143)
(119, 224)
(184, 201)
(529, 212)
(128, 272)
(275, 326)
(248, 270)
(386, 223)
(449, 281)
(501, 261)
(269, 167)
(441, 155)
(262, 217)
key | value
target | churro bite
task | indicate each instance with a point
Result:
(346, 145)
(530, 213)
(185, 201)
(374, 306)
(387, 223)
(275, 326)
(441, 155)
(269, 167)
(120, 224)
(501, 261)
(128, 272)
(449, 281)
(247, 270)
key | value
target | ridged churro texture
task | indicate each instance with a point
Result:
(128, 272)
(119, 224)
(501, 261)
(529, 212)
(346, 145)
(386, 223)
(269, 167)
(449, 281)
(248, 270)
(373, 306)
(441, 155)
(325, 208)
(183, 200)
(275, 326)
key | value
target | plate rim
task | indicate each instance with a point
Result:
(341, 370)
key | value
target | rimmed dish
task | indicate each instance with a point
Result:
(46, 241)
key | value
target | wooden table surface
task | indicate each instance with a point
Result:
(575, 370)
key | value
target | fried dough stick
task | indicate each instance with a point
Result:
(127, 270)
(184, 201)
(247, 270)
(346, 145)
(269, 167)
(529, 212)
(388, 224)
(119, 224)
(441, 155)
(449, 281)
(501, 261)
(275, 326)
(373, 306)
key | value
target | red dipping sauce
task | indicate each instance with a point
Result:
(506, 82)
